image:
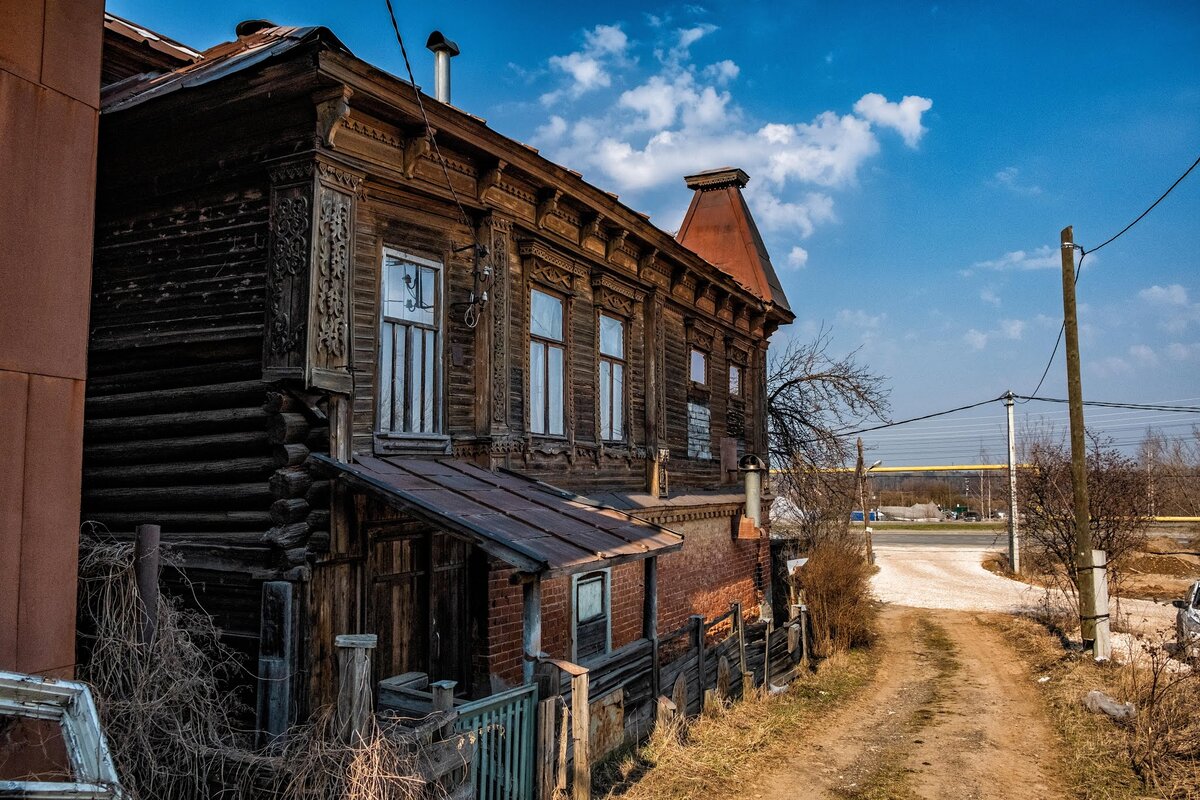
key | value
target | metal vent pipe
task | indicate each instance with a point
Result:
(443, 50)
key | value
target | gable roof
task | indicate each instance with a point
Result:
(527, 524)
(719, 228)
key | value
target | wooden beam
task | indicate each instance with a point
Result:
(581, 724)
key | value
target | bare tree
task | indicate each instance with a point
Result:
(1118, 500)
(813, 400)
(1172, 467)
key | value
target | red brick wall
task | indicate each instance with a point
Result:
(711, 571)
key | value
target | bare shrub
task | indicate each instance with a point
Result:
(1164, 738)
(1118, 508)
(837, 586)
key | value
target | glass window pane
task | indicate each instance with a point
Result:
(413, 415)
(612, 337)
(699, 371)
(618, 403)
(537, 387)
(589, 599)
(387, 372)
(545, 316)
(606, 400)
(400, 379)
(427, 424)
(554, 390)
(735, 380)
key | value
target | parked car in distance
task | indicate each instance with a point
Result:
(971, 516)
(1187, 621)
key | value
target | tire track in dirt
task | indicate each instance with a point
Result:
(950, 714)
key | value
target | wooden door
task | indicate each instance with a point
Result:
(449, 627)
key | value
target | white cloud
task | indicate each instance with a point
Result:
(990, 297)
(1112, 366)
(903, 117)
(588, 69)
(681, 117)
(857, 318)
(1144, 354)
(1010, 178)
(1012, 328)
(976, 340)
(1173, 307)
(797, 258)
(1173, 295)
(1044, 257)
(1178, 351)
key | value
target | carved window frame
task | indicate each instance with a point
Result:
(623, 361)
(439, 330)
(546, 270)
(562, 344)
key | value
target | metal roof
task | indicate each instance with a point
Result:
(528, 524)
(216, 63)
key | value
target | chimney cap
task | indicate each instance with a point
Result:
(720, 178)
(437, 43)
(250, 27)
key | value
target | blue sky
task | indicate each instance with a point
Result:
(911, 166)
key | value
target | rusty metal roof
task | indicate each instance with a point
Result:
(216, 63)
(528, 524)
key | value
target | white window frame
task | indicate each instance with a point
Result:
(607, 602)
(615, 400)
(548, 344)
(386, 373)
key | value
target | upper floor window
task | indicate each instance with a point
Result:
(547, 356)
(699, 367)
(735, 380)
(410, 341)
(612, 378)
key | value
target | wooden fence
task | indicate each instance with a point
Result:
(585, 713)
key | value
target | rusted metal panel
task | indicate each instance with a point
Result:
(14, 391)
(71, 44)
(529, 525)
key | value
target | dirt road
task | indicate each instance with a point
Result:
(950, 714)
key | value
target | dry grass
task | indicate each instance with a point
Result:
(719, 754)
(1104, 760)
(170, 724)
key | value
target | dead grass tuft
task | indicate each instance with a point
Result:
(837, 585)
(720, 754)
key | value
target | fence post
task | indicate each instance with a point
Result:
(581, 788)
(701, 668)
(741, 634)
(356, 700)
(767, 655)
(443, 700)
(804, 636)
(545, 746)
(145, 571)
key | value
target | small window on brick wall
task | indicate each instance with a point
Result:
(699, 431)
(592, 628)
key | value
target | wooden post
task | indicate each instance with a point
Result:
(443, 700)
(767, 655)
(723, 678)
(581, 783)
(276, 660)
(741, 634)
(679, 695)
(698, 640)
(666, 713)
(145, 570)
(560, 781)
(650, 619)
(546, 747)
(356, 701)
(532, 627)
(1083, 526)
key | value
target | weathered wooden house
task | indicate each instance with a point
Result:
(344, 365)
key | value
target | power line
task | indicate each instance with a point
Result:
(425, 117)
(1133, 406)
(917, 419)
(1083, 254)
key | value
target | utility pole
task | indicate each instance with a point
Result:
(1088, 613)
(861, 475)
(1014, 547)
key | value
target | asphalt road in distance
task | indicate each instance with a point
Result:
(895, 538)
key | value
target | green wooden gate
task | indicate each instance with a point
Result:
(503, 765)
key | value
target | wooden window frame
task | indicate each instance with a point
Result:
(622, 435)
(693, 351)
(606, 602)
(740, 371)
(547, 343)
(386, 373)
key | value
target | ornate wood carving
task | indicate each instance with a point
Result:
(614, 295)
(547, 205)
(332, 108)
(501, 229)
(615, 242)
(699, 333)
(490, 180)
(647, 261)
(332, 278)
(591, 229)
(547, 267)
(289, 258)
(415, 149)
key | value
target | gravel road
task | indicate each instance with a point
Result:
(951, 577)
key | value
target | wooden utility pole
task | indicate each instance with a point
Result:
(860, 473)
(1088, 612)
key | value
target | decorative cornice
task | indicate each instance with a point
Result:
(725, 178)
(415, 149)
(290, 172)
(333, 107)
(547, 205)
(616, 243)
(489, 180)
